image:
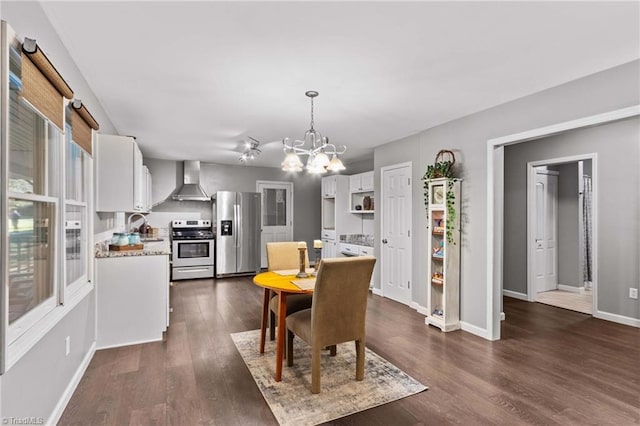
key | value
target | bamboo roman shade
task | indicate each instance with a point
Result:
(42, 84)
(81, 124)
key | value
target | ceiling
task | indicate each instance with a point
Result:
(193, 80)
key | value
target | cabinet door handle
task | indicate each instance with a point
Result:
(384, 241)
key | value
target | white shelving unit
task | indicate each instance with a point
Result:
(361, 193)
(444, 254)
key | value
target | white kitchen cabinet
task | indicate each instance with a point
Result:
(133, 299)
(120, 176)
(362, 182)
(329, 248)
(335, 209)
(329, 186)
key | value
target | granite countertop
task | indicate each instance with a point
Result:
(357, 239)
(159, 248)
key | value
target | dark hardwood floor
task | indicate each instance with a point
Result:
(553, 367)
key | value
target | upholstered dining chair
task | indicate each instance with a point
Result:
(282, 256)
(337, 314)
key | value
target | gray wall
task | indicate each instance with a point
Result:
(609, 90)
(34, 385)
(618, 201)
(569, 265)
(167, 177)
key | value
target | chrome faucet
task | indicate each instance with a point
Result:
(132, 215)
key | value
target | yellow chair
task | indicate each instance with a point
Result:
(282, 256)
(337, 314)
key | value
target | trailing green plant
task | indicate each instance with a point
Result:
(451, 211)
(441, 169)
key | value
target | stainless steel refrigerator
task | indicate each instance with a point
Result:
(238, 232)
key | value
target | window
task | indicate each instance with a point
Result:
(33, 189)
(275, 207)
(76, 232)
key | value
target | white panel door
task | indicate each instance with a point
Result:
(546, 232)
(396, 233)
(277, 214)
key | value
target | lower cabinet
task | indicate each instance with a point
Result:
(329, 248)
(133, 299)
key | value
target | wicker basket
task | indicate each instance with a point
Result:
(443, 164)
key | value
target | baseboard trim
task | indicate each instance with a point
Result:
(473, 329)
(137, 342)
(376, 291)
(620, 319)
(421, 309)
(71, 387)
(571, 289)
(515, 295)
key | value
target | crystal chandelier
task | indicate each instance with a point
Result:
(315, 146)
(251, 150)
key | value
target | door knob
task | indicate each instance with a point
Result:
(384, 241)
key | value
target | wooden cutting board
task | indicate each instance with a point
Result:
(125, 248)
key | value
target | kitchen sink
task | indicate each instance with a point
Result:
(151, 240)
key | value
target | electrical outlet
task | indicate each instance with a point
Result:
(67, 342)
(633, 293)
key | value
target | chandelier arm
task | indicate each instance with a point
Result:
(330, 152)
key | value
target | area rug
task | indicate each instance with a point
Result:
(291, 400)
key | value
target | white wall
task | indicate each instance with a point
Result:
(605, 91)
(36, 383)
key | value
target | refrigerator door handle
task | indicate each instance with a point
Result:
(239, 227)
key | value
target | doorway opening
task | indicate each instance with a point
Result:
(560, 232)
(495, 207)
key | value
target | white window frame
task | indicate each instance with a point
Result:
(28, 330)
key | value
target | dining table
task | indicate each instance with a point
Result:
(281, 283)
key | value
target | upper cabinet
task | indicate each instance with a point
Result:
(121, 179)
(329, 186)
(361, 193)
(362, 182)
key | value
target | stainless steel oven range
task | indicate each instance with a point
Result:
(192, 249)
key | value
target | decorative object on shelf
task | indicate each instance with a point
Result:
(315, 146)
(366, 202)
(358, 207)
(302, 249)
(251, 150)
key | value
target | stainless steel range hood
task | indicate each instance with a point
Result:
(191, 189)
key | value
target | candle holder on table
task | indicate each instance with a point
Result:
(317, 245)
(303, 270)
